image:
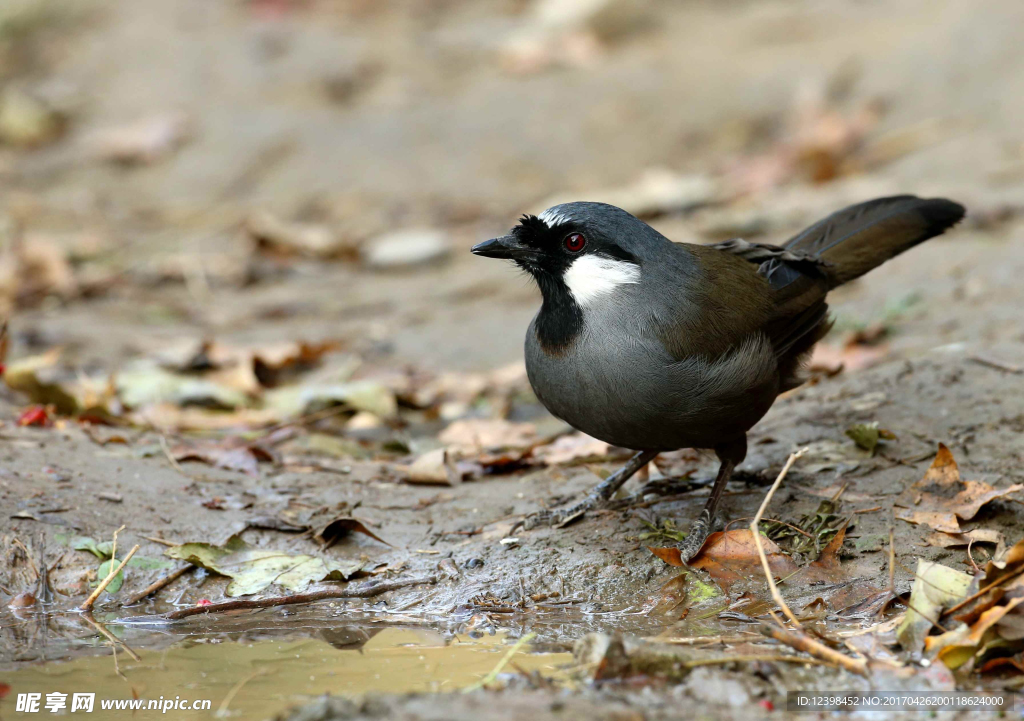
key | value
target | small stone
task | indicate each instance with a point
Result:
(406, 248)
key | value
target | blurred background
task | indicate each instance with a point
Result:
(268, 171)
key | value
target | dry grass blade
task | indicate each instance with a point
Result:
(760, 546)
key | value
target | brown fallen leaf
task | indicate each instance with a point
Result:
(830, 360)
(941, 496)
(275, 236)
(1014, 663)
(574, 447)
(329, 524)
(955, 648)
(998, 578)
(231, 455)
(826, 568)
(943, 521)
(342, 526)
(730, 556)
(433, 468)
(979, 535)
(479, 434)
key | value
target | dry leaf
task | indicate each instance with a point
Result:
(574, 447)
(271, 234)
(955, 648)
(230, 454)
(341, 526)
(979, 535)
(730, 556)
(826, 568)
(477, 434)
(433, 468)
(936, 587)
(143, 141)
(941, 497)
(832, 360)
(943, 521)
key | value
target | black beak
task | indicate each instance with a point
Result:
(506, 247)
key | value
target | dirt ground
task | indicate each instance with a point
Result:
(366, 118)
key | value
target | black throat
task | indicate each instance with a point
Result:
(560, 318)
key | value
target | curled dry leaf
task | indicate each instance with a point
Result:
(329, 524)
(433, 468)
(941, 497)
(231, 455)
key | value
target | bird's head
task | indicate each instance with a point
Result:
(584, 249)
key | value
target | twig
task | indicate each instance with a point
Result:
(114, 640)
(997, 364)
(774, 657)
(699, 640)
(170, 456)
(161, 541)
(760, 546)
(158, 584)
(489, 678)
(87, 605)
(801, 642)
(980, 593)
(368, 591)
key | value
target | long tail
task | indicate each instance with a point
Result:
(856, 239)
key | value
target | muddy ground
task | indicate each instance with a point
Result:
(371, 117)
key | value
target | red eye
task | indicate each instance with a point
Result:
(575, 242)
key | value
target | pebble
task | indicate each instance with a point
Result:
(406, 248)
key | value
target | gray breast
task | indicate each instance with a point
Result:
(622, 386)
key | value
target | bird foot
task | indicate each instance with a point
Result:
(694, 541)
(559, 518)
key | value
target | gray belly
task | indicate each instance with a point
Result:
(633, 394)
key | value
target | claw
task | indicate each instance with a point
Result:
(694, 541)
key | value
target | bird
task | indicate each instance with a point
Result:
(653, 345)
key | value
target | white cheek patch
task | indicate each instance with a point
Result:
(593, 276)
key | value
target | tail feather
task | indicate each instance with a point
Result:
(854, 240)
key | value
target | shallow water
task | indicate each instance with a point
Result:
(257, 678)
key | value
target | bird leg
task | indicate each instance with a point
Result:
(702, 526)
(601, 494)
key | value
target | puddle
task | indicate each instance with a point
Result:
(258, 679)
